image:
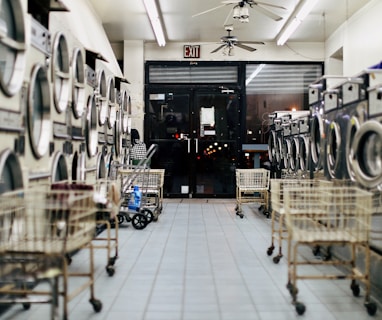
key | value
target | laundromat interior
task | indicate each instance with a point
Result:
(258, 195)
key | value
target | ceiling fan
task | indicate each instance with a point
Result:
(229, 42)
(241, 12)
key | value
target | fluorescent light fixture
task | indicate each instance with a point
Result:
(254, 73)
(299, 14)
(156, 24)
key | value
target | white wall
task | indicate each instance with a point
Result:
(360, 39)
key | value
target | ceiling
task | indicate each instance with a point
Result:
(127, 20)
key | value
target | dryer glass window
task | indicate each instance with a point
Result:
(102, 91)
(371, 156)
(78, 84)
(91, 122)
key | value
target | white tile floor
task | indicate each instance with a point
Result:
(201, 262)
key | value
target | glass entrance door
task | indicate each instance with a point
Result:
(197, 132)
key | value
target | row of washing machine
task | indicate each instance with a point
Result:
(339, 138)
(63, 114)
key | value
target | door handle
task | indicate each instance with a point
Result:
(196, 145)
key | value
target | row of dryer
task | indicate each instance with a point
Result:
(63, 114)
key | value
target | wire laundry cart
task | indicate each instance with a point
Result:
(37, 230)
(320, 215)
(107, 197)
(141, 212)
(277, 192)
(252, 186)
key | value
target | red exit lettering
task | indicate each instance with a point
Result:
(191, 51)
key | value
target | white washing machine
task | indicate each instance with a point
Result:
(102, 107)
(78, 118)
(333, 146)
(13, 39)
(37, 103)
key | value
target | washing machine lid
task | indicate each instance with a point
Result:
(11, 176)
(60, 72)
(91, 127)
(12, 46)
(367, 156)
(38, 111)
(78, 83)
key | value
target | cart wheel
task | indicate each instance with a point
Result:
(120, 218)
(112, 261)
(110, 270)
(300, 308)
(26, 305)
(327, 256)
(267, 214)
(355, 289)
(139, 221)
(270, 250)
(148, 214)
(68, 259)
(97, 304)
(371, 308)
(276, 259)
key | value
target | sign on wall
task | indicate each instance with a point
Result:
(191, 51)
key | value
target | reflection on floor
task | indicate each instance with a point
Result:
(202, 262)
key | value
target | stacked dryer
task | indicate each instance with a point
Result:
(12, 71)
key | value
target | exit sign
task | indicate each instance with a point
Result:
(191, 51)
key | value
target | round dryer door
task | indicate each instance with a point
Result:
(10, 170)
(60, 72)
(124, 112)
(12, 46)
(91, 127)
(111, 100)
(304, 145)
(78, 87)
(272, 146)
(102, 91)
(333, 151)
(59, 168)
(317, 135)
(352, 129)
(118, 135)
(367, 154)
(38, 111)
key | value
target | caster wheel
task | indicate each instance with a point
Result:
(120, 218)
(355, 289)
(267, 214)
(26, 305)
(68, 259)
(327, 256)
(148, 214)
(112, 261)
(371, 308)
(300, 308)
(139, 221)
(276, 259)
(97, 304)
(270, 250)
(110, 270)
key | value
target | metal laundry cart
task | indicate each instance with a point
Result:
(277, 190)
(134, 180)
(252, 186)
(320, 215)
(37, 230)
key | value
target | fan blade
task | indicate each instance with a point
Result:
(209, 10)
(243, 46)
(265, 4)
(268, 13)
(218, 48)
(252, 42)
